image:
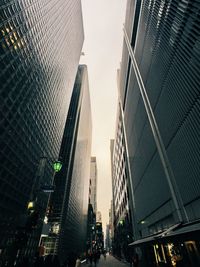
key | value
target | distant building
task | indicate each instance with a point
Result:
(91, 229)
(98, 217)
(68, 205)
(40, 47)
(108, 243)
(92, 205)
(93, 184)
(99, 245)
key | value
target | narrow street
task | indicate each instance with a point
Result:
(109, 262)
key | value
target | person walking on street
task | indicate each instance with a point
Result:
(95, 257)
(90, 257)
(104, 254)
(135, 260)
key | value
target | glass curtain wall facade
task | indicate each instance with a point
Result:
(59, 199)
(161, 58)
(40, 46)
(74, 210)
(74, 223)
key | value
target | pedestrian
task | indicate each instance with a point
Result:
(104, 254)
(78, 262)
(90, 257)
(98, 255)
(135, 260)
(95, 258)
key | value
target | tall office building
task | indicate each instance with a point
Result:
(159, 99)
(99, 244)
(108, 238)
(40, 46)
(68, 204)
(98, 217)
(93, 184)
(92, 205)
(122, 202)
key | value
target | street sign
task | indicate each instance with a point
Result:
(48, 188)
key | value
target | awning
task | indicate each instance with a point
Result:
(154, 237)
(175, 230)
(188, 228)
(145, 240)
(169, 230)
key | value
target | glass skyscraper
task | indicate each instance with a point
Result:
(159, 99)
(69, 203)
(40, 46)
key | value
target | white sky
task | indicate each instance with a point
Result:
(103, 24)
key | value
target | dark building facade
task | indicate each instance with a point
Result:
(40, 46)
(93, 184)
(159, 99)
(68, 204)
(99, 244)
(91, 233)
(92, 205)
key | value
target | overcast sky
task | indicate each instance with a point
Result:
(103, 24)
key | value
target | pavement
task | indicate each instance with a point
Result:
(110, 261)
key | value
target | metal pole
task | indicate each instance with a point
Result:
(175, 194)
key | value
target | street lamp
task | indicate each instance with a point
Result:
(31, 218)
(57, 165)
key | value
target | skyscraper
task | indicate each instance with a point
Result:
(98, 217)
(40, 46)
(122, 201)
(69, 203)
(107, 238)
(159, 99)
(92, 205)
(93, 184)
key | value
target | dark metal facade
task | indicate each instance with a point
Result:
(40, 46)
(165, 40)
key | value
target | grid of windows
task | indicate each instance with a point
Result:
(40, 45)
(120, 175)
(74, 217)
(167, 53)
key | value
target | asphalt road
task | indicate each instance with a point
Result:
(110, 261)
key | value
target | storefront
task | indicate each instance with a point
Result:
(178, 246)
